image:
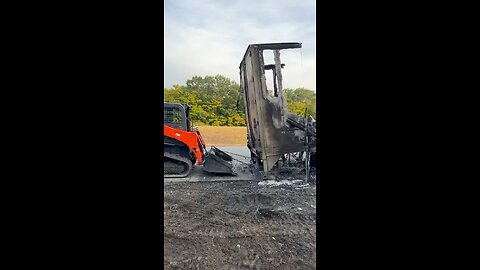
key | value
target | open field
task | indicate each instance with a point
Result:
(221, 136)
(239, 225)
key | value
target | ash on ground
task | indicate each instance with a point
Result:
(293, 174)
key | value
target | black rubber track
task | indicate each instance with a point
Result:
(187, 164)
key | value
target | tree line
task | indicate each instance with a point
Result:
(217, 100)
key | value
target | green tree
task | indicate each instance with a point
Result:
(217, 100)
(219, 95)
(299, 99)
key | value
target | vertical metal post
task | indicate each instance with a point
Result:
(307, 152)
(307, 161)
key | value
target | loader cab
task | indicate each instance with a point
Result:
(176, 115)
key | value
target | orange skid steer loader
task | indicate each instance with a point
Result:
(184, 146)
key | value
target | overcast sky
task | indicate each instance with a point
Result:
(210, 37)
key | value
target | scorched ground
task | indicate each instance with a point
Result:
(239, 225)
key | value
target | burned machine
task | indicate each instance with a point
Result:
(273, 132)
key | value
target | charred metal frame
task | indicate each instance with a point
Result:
(272, 130)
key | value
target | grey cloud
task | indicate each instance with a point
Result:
(210, 37)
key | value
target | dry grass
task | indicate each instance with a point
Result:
(224, 136)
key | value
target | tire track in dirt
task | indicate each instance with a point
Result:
(228, 226)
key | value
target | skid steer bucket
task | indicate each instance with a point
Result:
(217, 161)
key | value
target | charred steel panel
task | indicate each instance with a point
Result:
(269, 133)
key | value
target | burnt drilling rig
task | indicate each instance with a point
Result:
(274, 134)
